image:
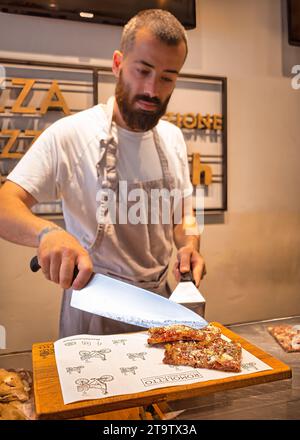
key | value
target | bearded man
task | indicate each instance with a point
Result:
(83, 158)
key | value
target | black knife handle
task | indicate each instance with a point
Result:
(187, 276)
(34, 266)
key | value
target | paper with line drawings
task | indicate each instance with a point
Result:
(94, 367)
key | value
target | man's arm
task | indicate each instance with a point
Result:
(58, 251)
(188, 255)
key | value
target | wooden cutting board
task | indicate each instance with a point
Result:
(49, 401)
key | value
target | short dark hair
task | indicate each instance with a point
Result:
(162, 23)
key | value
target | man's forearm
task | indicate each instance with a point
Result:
(58, 251)
(18, 224)
(188, 255)
(181, 238)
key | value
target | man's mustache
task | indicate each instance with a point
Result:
(153, 100)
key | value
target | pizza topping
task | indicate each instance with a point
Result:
(202, 348)
(180, 332)
(224, 356)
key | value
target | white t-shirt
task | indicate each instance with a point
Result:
(62, 164)
(138, 159)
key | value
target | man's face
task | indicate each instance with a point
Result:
(146, 80)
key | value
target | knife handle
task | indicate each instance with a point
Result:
(34, 266)
(187, 276)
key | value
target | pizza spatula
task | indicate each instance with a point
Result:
(187, 294)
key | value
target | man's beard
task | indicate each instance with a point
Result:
(138, 119)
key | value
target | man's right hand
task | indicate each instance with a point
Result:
(58, 253)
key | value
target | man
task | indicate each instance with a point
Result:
(83, 158)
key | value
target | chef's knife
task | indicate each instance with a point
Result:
(114, 299)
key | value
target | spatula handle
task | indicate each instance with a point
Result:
(187, 276)
(34, 266)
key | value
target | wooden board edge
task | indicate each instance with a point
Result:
(48, 348)
(170, 394)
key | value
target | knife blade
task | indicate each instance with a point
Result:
(115, 299)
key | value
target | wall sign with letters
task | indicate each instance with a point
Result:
(198, 108)
(32, 98)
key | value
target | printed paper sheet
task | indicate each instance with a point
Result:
(93, 367)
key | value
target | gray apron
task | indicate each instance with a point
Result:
(135, 253)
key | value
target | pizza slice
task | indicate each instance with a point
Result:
(178, 332)
(287, 336)
(218, 355)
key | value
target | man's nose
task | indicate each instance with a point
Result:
(151, 87)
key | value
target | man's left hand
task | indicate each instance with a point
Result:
(189, 259)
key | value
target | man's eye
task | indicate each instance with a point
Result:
(143, 72)
(166, 79)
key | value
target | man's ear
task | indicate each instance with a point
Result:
(117, 61)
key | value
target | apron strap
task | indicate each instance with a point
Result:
(169, 180)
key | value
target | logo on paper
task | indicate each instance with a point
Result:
(171, 378)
